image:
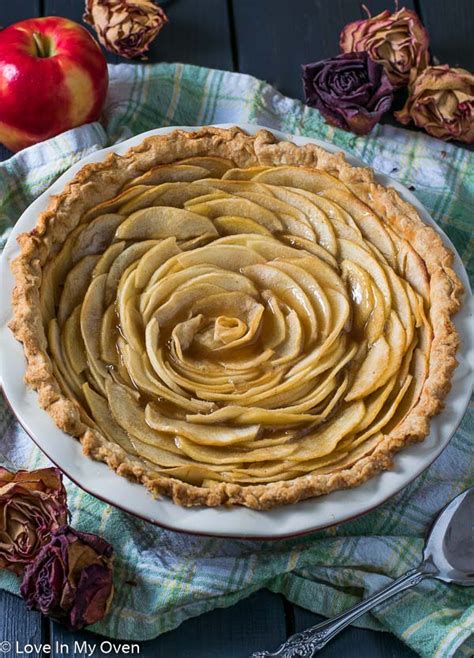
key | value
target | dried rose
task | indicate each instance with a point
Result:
(32, 505)
(351, 91)
(71, 578)
(125, 27)
(398, 41)
(441, 101)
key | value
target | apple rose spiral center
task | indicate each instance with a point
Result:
(220, 326)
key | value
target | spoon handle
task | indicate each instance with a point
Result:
(306, 643)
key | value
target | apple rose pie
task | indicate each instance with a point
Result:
(229, 319)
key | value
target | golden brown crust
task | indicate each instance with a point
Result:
(86, 190)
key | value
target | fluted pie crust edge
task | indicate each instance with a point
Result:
(86, 190)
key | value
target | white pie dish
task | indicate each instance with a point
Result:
(303, 517)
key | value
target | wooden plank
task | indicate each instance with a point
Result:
(17, 625)
(197, 33)
(254, 623)
(450, 28)
(275, 37)
(4, 153)
(12, 12)
(355, 642)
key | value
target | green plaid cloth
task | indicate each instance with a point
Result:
(163, 578)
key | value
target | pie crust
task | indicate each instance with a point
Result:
(438, 282)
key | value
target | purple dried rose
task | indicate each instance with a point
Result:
(351, 91)
(71, 578)
(397, 40)
(441, 101)
(32, 506)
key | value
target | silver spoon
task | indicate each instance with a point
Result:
(448, 555)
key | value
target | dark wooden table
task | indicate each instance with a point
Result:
(269, 39)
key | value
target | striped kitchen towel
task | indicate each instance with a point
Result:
(164, 578)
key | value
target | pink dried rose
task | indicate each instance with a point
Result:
(71, 578)
(398, 41)
(32, 506)
(125, 27)
(441, 100)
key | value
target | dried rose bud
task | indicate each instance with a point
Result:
(351, 91)
(125, 27)
(32, 506)
(71, 578)
(441, 101)
(398, 41)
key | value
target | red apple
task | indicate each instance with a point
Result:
(53, 77)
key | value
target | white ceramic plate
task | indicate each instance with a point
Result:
(99, 480)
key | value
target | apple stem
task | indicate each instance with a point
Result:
(41, 45)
